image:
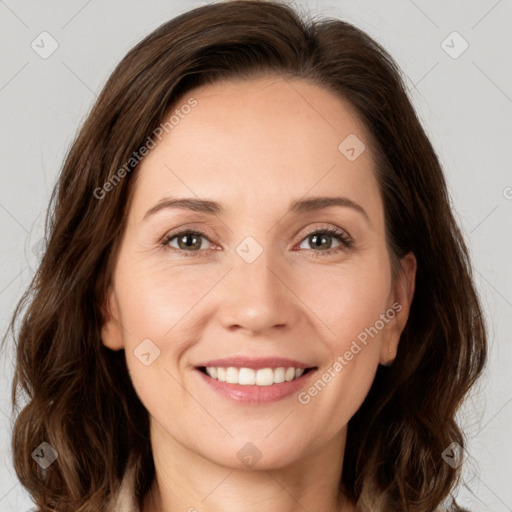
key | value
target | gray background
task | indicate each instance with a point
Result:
(465, 104)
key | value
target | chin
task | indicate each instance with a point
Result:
(256, 452)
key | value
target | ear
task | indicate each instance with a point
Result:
(111, 330)
(402, 295)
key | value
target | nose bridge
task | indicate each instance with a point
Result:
(256, 297)
(256, 270)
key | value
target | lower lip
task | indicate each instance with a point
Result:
(256, 394)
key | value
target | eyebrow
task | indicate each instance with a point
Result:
(299, 207)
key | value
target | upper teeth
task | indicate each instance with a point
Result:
(248, 376)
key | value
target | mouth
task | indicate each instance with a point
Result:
(262, 377)
(255, 380)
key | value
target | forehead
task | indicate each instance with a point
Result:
(263, 141)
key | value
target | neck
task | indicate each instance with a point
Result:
(184, 480)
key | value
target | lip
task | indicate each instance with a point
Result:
(255, 363)
(256, 395)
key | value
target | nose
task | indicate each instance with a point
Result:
(258, 298)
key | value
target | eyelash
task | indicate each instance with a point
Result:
(345, 241)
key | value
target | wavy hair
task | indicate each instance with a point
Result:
(77, 393)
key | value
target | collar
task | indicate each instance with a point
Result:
(124, 500)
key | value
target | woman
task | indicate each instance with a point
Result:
(254, 292)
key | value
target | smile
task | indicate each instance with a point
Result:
(254, 377)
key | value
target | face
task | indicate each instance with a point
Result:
(260, 276)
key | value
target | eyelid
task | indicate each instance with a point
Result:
(187, 228)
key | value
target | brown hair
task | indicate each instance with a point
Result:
(79, 397)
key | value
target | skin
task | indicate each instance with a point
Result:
(254, 147)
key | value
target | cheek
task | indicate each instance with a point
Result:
(159, 311)
(347, 298)
(349, 303)
(158, 301)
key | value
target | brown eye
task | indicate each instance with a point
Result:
(189, 241)
(322, 239)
